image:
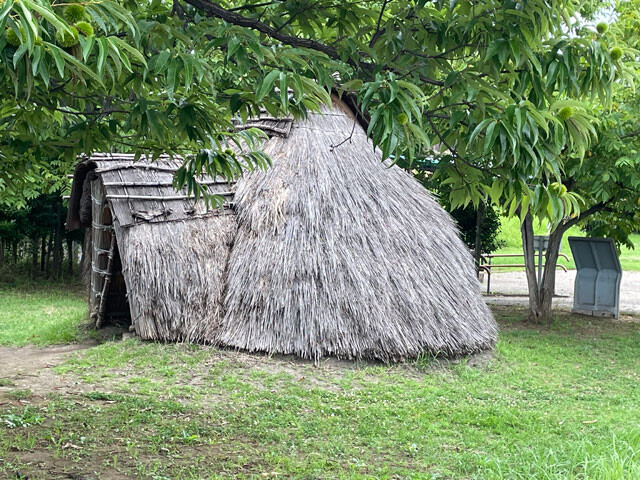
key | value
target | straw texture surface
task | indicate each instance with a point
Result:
(329, 253)
(338, 254)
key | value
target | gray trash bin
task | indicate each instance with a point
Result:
(597, 287)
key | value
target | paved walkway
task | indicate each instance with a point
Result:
(513, 286)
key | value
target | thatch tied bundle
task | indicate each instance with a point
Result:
(329, 252)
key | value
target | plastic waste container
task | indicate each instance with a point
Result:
(597, 286)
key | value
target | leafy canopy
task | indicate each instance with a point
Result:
(494, 92)
(607, 179)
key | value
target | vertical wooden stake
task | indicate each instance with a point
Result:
(107, 282)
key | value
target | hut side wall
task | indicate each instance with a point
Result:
(176, 274)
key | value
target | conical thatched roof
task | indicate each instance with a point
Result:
(329, 252)
(338, 254)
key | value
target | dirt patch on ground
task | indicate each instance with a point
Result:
(42, 464)
(30, 368)
(114, 461)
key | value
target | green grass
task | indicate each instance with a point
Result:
(512, 243)
(41, 314)
(555, 402)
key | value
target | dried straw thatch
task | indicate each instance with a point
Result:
(329, 252)
(172, 250)
(338, 254)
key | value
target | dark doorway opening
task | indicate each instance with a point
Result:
(117, 312)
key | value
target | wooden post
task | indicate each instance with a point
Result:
(107, 282)
(102, 236)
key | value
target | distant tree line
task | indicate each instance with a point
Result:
(35, 237)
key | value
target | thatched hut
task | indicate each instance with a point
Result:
(328, 253)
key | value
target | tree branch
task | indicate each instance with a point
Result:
(598, 207)
(439, 55)
(378, 32)
(104, 112)
(252, 6)
(631, 134)
(178, 10)
(214, 10)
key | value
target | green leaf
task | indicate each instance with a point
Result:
(496, 191)
(55, 51)
(48, 14)
(490, 136)
(103, 47)
(451, 79)
(136, 54)
(235, 102)
(267, 84)
(352, 85)
(481, 126)
(160, 61)
(284, 90)
(64, 56)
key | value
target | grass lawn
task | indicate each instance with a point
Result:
(553, 403)
(41, 314)
(512, 240)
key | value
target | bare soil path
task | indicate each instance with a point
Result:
(30, 368)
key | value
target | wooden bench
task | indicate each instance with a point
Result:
(487, 266)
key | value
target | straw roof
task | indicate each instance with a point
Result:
(339, 254)
(328, 253)
(173, 249)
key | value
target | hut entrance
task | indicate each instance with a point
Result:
(108, 301)
(116, 311)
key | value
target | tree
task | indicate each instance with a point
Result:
(38, 228)
(168, 77)
(467, 219)
(607, 182)
(495, 91)
(132, 77)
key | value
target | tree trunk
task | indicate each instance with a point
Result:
(70, 252)
(57, 246)
(478, 245)
(526, 229)
(47, 266)
(15, 252)
(1, 252)
(548, 285)
(34, 255)
(43, 253)
(540, 297)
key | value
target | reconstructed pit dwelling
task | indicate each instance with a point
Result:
(329, 252)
